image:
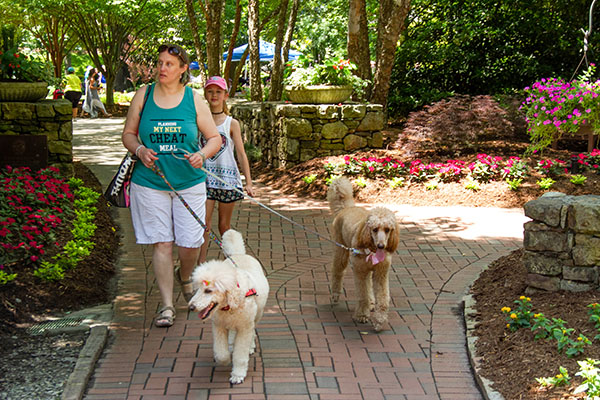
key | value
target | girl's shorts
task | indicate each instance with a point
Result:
(223, 195)
(159, 216)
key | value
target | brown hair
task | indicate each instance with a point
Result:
(179, 52)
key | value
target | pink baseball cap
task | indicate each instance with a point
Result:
(216, 80)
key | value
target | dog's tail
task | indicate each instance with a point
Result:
(233, 243)
(340, 195)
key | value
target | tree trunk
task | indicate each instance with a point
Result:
(234, 35)
(290, 29)
(189, 7)
(277, 72)
(392, 17)
(358, 39)
(238, 71)
(253, 36)
(213, 36)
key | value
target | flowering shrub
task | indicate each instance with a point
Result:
(485, 168)
(515, 169)
(305, 72)
(554, 107)
(16, 66)
(32, 206)
(554, 167)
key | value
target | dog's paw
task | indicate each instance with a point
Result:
(379, 321)
(335, 298)
(223, 359)
(362, 319)
(236, 379)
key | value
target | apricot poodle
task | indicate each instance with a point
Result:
(374, 233)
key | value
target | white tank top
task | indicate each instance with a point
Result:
(223, 164)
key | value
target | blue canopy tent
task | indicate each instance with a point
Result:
(266, 51)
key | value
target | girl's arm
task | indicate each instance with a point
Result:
(236, 136)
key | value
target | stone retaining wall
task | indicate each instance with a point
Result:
(289, 134)
(562, 242)
(52, 118)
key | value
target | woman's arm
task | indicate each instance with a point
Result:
(207, 128)
(130, 131)
(238, 143)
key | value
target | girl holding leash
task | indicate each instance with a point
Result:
(223, 164)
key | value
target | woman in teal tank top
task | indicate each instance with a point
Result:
(165, 131)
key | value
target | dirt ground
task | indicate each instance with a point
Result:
(511, 360)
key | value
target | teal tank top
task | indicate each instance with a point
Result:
(169, 132)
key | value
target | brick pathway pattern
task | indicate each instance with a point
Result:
(307, 348)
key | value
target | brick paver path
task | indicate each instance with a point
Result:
(307, 348)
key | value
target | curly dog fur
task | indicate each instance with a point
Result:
(375, 233)
(234, 297)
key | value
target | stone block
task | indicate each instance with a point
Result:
(297, 128)
(550, 284)
(18, 111)
(353, 111)
(546, 209)
(376, 140)
(45, 110)
(335, 130)
(373, 121)
(584, 214)
(540, 237)
(586, 250)
(328, 111)
(60, 147)
(328, 145)
(287, 110)
(581, 274)
(575, 286)
(354, 142)
(307, 154)
(542, 264)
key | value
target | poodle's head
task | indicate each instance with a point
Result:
(380, 231)
(216, 287)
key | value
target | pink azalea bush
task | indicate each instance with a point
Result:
(554, 107)
(33, 206)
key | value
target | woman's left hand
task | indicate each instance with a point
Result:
(250, 190)
(196, 160)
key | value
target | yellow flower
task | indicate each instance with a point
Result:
(505, 309)
(579, 338)
(513, 316)
(522, 298)
(559, 376)
(508, 325)
(527, 298)
(536, 315)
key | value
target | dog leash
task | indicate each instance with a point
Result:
(211, 235)
(351, 249)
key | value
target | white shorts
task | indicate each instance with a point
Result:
(160, 216)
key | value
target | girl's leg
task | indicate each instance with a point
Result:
(210, 206)
(225, 214)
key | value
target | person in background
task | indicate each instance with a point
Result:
(72, 89)
(174, 117)
(224, 164)
(92, 103)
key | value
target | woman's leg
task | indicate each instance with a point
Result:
(210, 206)
(162, 262)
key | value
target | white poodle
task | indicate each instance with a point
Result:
(234, 295)
(375, 234)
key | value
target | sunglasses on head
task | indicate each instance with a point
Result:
(174, 51)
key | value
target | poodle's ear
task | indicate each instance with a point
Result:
(235, 297)
(363, 237)
(393, 240)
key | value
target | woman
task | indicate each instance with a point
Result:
(92, 103)
(173, 117)
(72, 89)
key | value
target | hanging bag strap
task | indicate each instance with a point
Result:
(146, 95)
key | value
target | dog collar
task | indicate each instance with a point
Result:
(251, 292)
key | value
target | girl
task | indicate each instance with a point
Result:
(223, 164)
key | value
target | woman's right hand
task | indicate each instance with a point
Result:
(147, 156)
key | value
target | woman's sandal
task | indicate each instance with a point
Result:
(187, 294)
(162, 320)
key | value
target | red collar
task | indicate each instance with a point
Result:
(251, 292)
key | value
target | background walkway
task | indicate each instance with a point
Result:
(308, 349)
